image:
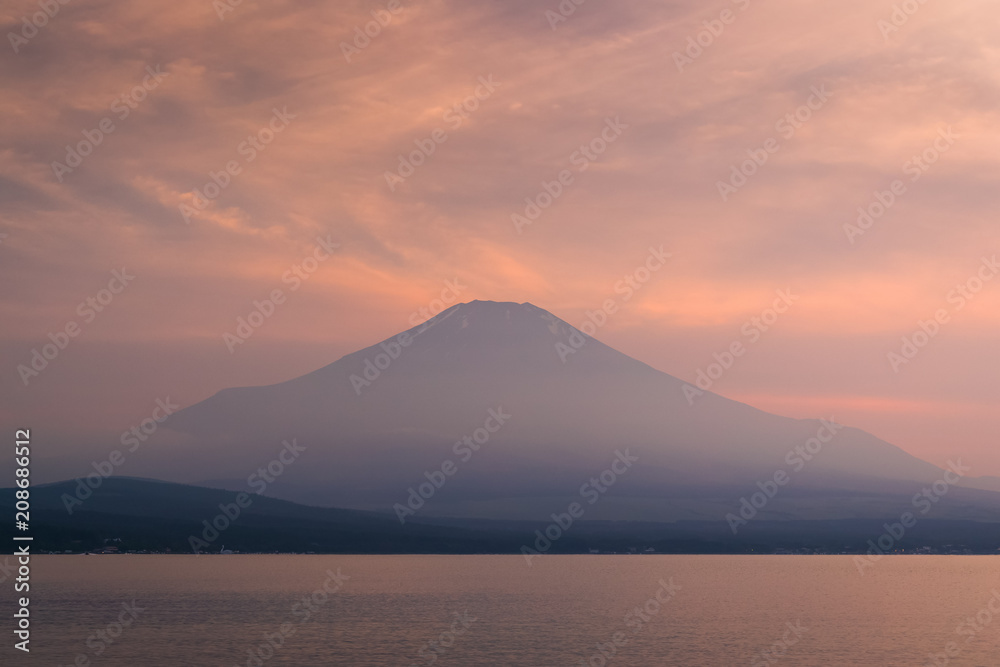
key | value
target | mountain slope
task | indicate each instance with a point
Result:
(375, 421)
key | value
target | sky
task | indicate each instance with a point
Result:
(182, 164)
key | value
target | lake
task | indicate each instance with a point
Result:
(496, 610)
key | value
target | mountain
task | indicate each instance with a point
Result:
(149, 515)
(140, 515)
(376, 424)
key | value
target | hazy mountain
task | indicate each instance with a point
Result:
(572, 403)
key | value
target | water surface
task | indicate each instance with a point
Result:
(496, 610)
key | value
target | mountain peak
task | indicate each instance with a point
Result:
(494, 324)
(487, 303)
(486, 306)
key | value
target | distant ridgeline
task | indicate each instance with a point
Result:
(132, 515)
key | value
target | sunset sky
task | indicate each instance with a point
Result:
(641, 121)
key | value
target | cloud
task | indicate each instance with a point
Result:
(657, 184)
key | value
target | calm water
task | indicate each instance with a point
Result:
(494, 610)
